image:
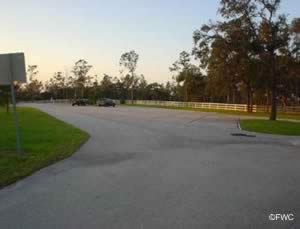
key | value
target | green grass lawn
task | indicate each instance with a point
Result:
(239, 113)
(271, 127)
(44, 140)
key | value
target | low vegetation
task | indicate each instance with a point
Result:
(271, 127)
(45, 140)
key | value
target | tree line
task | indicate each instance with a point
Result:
(79, 84)
(250, 55)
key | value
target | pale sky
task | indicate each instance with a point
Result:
(55, 34)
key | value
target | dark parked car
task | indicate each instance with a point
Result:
(80, 102)
(106, 103)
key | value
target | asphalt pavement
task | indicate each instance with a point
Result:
(150, 168)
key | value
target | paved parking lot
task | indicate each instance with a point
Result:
(158, 168)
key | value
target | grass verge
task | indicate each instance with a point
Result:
(239, 113)
(271, 127)
(44, 138)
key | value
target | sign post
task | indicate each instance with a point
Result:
(15, 116)
(12, 69)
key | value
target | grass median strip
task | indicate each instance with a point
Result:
(45, 140)
(290, 116)
(271, 127)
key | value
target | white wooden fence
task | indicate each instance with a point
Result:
(213, 106)
(49, 101)
(67, 101)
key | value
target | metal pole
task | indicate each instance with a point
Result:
(15, 117)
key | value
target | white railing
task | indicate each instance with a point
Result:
(199, 105)
(49, 101)
(67, 101)
(212, 106)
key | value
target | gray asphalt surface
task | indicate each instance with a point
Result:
(159, 169)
